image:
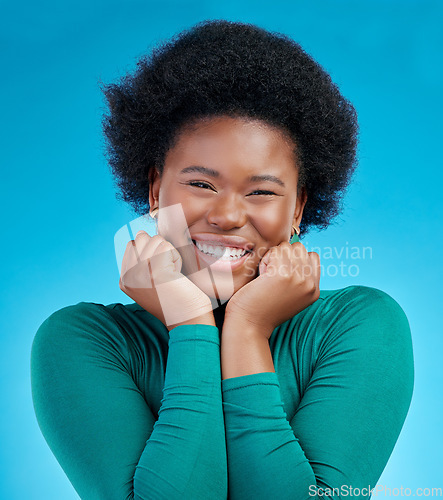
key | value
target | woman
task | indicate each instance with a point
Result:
(231, 374)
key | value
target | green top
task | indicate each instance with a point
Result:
(131, 410)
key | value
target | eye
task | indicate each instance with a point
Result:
(260, 192)
(200, 184)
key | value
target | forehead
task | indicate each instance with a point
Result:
(228, 140)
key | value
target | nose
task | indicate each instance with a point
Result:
(227, 212)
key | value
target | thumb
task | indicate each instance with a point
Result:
(263, 266)
(165, 260)
(176, 259)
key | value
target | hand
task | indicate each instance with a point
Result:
(288, 283)
(150, 275)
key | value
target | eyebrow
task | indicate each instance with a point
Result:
(214, 173)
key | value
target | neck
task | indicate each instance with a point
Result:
(219, 315)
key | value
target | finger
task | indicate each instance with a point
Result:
(134, 250)
(283, 254)
(137, 276)
(159, 255)
(315, 263)
(165, 247)
(299, 249)
(130, 257)
(165, 260)
(148, 247)
(279, 255)
(142, 233)
(263, 265)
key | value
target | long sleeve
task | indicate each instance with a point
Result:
(100, 427)
(355, 386)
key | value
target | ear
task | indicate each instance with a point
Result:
(154, 187)
(302, 198)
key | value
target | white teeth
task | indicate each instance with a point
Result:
(221, 252)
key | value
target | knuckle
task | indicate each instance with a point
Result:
(285, 273)
(309, 286)
(157, 237)
(299, 249)
(312, 287)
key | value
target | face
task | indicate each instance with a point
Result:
(236, 181)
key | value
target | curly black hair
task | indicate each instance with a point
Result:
(223, 68)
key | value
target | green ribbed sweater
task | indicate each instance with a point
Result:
(131, 410)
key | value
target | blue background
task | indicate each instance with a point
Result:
(59, 212)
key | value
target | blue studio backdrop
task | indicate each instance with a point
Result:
(60, 214)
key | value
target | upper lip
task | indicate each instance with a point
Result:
(225, 241)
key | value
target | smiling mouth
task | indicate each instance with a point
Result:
(220, 252)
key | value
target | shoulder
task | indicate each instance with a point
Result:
(90, 326)
(368, 319)
(360, 293)
(358, 302)
(369, 328)
(72, 328)
(74, 317)
(337, 312)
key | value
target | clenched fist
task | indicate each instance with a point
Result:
(150, 275)
(288, 282)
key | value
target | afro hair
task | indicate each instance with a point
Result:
(228, 68)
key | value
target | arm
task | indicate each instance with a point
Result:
(101, 429)
(349, 417)
(244, 350)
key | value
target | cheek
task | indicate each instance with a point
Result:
(272, 226)
(193, 208)
(185, 213)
